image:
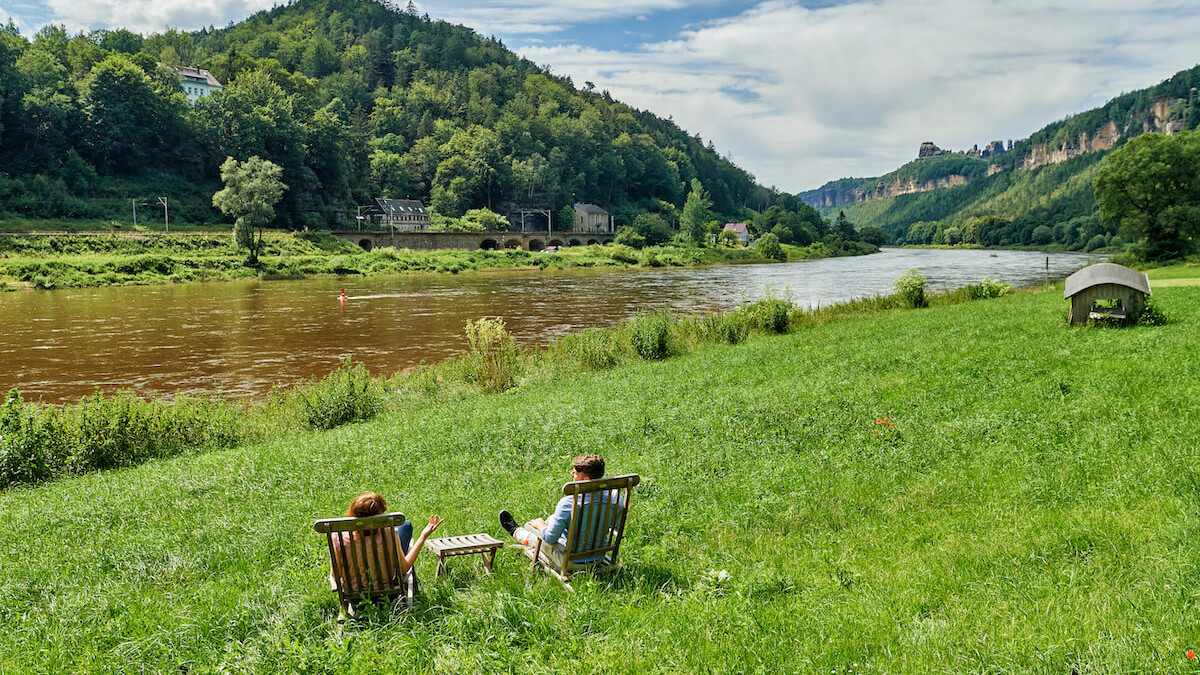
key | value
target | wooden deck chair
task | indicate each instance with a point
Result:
(364, 560)
(598, 514)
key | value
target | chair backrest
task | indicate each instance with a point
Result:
(598, 513)
(365, 556)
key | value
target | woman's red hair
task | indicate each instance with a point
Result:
(366, 504)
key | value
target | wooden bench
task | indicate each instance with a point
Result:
(446, 547)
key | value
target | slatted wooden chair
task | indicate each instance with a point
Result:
(599, 511)
(364, 556)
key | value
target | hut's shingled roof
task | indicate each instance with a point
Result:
(1106, 273)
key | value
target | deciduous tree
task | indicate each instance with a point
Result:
(252, 189)
(1151, 188)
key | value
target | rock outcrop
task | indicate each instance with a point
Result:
(1163, 116)
(835, 195)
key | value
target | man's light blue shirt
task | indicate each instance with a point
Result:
(555, 531)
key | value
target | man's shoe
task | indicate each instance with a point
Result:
(508, 522)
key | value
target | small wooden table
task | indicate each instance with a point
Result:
(483, 544)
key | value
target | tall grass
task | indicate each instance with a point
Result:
(348, 394)
(492, 361)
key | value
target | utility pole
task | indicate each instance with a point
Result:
(134, 202)
(166, 216)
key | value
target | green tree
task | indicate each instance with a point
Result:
(873, 235)
(844, 228)
(768, 247)
(485, 219)
(122, 111)
(697, 212)
(653, 228)
(1151, 188)
(252, 188)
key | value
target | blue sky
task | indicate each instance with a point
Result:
(798, 92)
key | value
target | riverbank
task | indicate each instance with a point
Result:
(1028, 507)
(78, 260)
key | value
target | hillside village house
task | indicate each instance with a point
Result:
(196, 82)
(591, 218)
(741, 230)
(408, 215)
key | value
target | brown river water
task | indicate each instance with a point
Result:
(242, 338)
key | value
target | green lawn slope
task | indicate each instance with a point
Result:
(1035, 508)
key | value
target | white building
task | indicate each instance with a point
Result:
(741, 230)
(196, 82)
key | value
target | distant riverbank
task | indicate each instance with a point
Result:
(42, 261)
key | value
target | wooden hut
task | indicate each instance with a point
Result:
(1106, 290)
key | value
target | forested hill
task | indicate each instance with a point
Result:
(1039, 191)
(354, 99)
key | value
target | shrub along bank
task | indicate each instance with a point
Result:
(961, 488)
(48, 262)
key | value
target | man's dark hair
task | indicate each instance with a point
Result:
(591, 466)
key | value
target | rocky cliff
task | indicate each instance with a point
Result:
(1165, 115)
(836, 195)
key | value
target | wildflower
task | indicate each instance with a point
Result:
(1190, 654)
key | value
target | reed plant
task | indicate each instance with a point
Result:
(652, 335)
(492, 360)
(348, 394)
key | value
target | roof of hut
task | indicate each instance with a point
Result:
(1106, 273)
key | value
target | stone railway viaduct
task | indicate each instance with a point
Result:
(428, 241)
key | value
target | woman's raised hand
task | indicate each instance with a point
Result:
(434, 522)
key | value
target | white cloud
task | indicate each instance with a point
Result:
(799, 96)
(152, 16)
(541, 16)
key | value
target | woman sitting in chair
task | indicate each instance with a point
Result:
(379, 564)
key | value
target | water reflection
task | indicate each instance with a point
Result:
(242, 338)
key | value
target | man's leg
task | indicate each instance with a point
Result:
(404, 533)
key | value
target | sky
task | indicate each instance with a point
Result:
(797, 92)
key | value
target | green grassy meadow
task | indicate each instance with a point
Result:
(1034, 507)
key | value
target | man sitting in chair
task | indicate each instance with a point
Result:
(554, 528)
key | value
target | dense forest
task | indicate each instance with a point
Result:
(354, 100)
(1049, 205)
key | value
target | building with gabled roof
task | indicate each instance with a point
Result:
(196, 82)
(741, 230)
(591, 218)
(408, 215)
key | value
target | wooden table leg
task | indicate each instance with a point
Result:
(440, 566)
(488, 557)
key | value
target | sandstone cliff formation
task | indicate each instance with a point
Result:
(1162, 116)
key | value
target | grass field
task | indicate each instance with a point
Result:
(1034, 508)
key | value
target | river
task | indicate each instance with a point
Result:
(243, 338)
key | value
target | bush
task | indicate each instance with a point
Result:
(23, 443)
(492, 361)
(1152, 315)
(348, 394)
(650, 335)
(649, 258)
(626, 236)
(594, 349)
(768, 247)
(727, 328)
(769, 314)
(988, 289)
(910, 289)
